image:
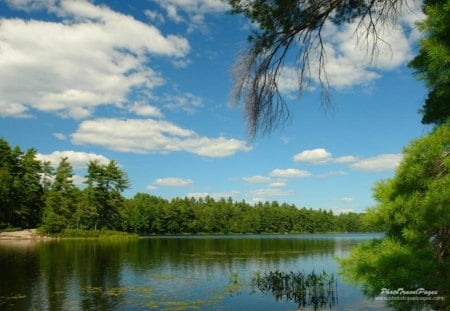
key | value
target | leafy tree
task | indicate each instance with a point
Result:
(432, 64)
(414, 207)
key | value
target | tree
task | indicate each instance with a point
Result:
(28, 191)
(61, 201)
(292, 30)
(414, 207)
(102, 197)
(432, 64)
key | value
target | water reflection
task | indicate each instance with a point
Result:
(316, 290)
(161, 272)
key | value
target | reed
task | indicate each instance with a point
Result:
(317, 290)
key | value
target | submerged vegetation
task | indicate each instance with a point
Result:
(317, 290)
(80, 233)
(33, 194)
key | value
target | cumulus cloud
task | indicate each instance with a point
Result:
(349, 61)
(59, 136)
(345, 199)
(192, 12)
(346, 159)
(258, 179)
(332, 173)
(279, 183)
(315, 156)
(173, 182)
(321, 156)
(379, 163)
(153, 136)
(382, 162)
(185, 102)
(289, 173)
(342, 210)
(40, 60)
(145, 110)
(77, 159)
(271, 192)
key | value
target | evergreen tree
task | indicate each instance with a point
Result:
(432, 64)
(102, 197)
(61, 201)
(28, 191)
(414, 208)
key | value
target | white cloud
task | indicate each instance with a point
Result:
(271, 192)
(154, 16)
(192, 12)
(173, 182)
(257, 179)
(153, 136)
(342, 210)
(332, 173)
(145, 110)
(186, 102)
(288, 80)
(345, 199)
(289, 173)
(77, 159)
(40, 60)
(278, 183)
(315, 156)
(348, 57)
(78, 180)
(345, 159)
(382, 162)
(59, 136)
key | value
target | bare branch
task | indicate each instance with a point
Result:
(297, 25)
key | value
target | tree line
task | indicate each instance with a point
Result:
(34, 194)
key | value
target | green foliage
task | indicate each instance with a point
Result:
(318, 290)
(21, 191)
(414, 208)
(147, 214)
(61, 201)
(79, 233)
(102, 197)
(432, 64)
(32, 195)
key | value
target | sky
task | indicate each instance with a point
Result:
(147, 83)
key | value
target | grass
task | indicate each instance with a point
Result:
(89, 234)
(313, 289)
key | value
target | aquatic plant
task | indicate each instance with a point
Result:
(318, 290)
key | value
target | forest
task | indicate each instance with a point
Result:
(34, 194)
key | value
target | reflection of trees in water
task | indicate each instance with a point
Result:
(316, 290)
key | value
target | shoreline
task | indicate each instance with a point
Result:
(27, 234)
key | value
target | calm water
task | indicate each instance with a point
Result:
(167, 273)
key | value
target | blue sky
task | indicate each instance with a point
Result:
(147, 83)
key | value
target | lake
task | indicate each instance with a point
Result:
(170, 273)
